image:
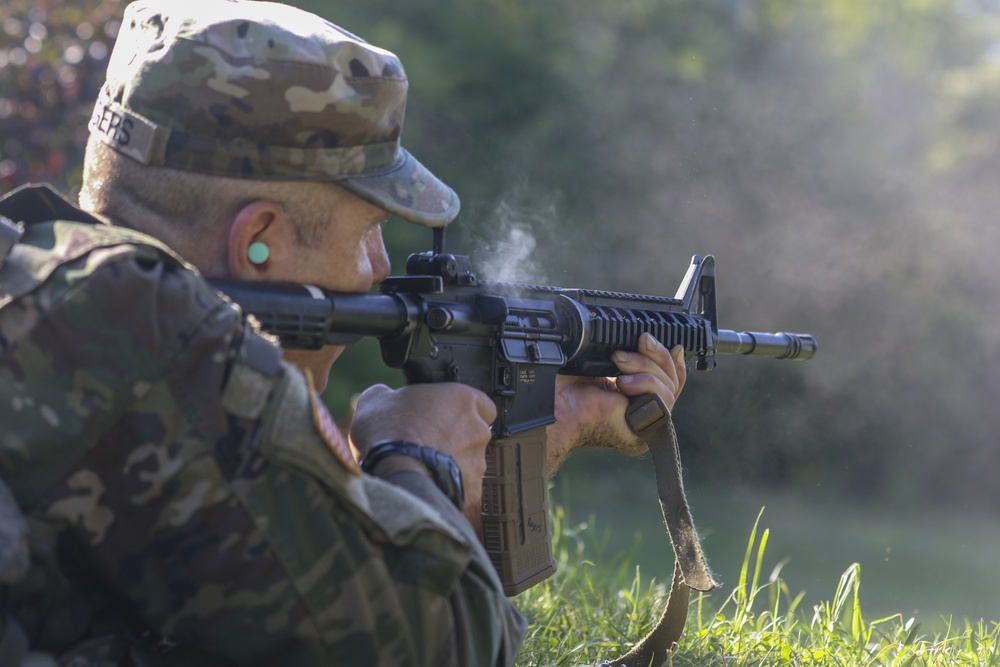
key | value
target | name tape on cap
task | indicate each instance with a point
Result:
(124, 131)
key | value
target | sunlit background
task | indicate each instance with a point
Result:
(840, 160)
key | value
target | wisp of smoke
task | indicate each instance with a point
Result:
(505, 243)
(510, 260)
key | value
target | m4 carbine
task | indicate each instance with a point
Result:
(439, 323)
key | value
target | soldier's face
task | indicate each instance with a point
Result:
(350, 257)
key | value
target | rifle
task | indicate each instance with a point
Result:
(440, 323)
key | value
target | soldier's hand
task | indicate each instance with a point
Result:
(449, 417)
(590, 412)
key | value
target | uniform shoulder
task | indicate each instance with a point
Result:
(50, 232)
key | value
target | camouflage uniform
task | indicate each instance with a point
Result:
(188, 499)
(177, 478)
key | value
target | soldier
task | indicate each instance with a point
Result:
(188, 496)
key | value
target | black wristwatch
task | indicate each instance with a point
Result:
(444, 470)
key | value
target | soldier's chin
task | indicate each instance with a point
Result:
(318, 362)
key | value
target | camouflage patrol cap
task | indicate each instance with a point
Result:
(261, 90)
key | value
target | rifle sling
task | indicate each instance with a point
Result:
(650, 418)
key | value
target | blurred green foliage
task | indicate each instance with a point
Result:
(52, 61)
(838, 158)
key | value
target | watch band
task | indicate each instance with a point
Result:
(444, 471)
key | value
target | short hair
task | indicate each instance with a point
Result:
(181, 208)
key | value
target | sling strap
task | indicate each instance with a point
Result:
(649, 417)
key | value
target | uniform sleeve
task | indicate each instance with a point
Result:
(470, 634)
(179, 457)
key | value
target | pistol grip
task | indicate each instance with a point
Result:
(516, 529)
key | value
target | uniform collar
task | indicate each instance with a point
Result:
(40, 202)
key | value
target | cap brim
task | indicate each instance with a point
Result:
(409, 190)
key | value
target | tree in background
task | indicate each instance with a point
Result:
(52, 61)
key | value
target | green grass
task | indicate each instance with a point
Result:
(586, 613)
(920, 559)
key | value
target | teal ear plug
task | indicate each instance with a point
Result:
(258, 252)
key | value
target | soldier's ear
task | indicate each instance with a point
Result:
(259, 237)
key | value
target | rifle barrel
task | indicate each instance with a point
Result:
(779, 345)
